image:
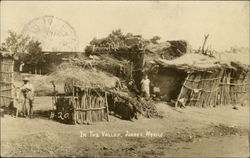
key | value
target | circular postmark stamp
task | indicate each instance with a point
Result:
(54, 33)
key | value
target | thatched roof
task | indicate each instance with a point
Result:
(199, 62)
(158, 48)
(168, 49)
(84, 77)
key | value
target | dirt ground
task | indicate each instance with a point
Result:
(220, 131)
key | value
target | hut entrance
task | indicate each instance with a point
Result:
(169, 81)
(6, 81)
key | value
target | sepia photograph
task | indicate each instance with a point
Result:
(124, 78)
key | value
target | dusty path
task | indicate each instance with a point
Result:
(226, 146)
(181, 132)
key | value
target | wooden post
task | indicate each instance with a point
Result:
(74, 102)
(107, 107)
(12, 85)
(176, 103)
(75, 99)
(131, 70)
(89, 105)
(204, 43)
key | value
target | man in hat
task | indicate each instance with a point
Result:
(28, 93)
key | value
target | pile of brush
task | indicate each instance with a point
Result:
(145, 107)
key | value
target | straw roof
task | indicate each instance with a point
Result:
(190, 62)
(199, 62)
(168, 50)
(84, 77)
(158, 48)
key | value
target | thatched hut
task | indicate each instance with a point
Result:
(168, 79)
(80, 100)
(90, 94)
(208, 81)
(6, 78)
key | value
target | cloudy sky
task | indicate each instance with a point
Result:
(226, 22)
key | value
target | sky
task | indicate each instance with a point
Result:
(227, 23)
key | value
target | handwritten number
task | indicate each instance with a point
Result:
(60, 115)
(52, 115)
(66, 115)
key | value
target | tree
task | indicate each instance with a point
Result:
(3, 47)
(28, 51)
(155, 39)
(35, 57)
(16, 43)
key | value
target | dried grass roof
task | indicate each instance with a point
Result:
(158, 48)
(199, 62)
(84, 77)
(168, 50)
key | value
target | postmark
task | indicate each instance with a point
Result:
(54, 33)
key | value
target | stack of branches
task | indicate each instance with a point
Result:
(120, 46)
(119, 68)
(200, 89)
(146, 108)
(116, 45)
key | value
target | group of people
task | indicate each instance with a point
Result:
(24, 99)
(25, 106)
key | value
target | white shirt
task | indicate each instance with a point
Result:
(145, 85)
(28, 86)
(28, 94)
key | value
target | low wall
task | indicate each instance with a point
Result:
(6, 81)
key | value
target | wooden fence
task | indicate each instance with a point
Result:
(6, 81)
(91, 106)
(225, 87)
(83, 107)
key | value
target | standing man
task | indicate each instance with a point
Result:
(28, 93)
(145, 83)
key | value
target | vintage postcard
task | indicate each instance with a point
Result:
(124, 78)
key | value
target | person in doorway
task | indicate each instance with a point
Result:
(27, 90)
(21, 67)
(145, 83)
(156, 92)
